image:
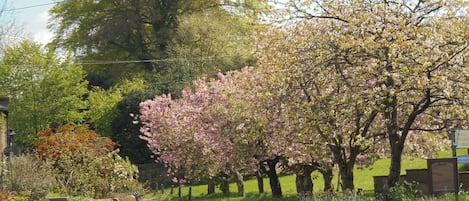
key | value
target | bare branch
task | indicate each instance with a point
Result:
(308, 15)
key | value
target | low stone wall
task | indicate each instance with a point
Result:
(380, 183)
(464, 181)
(418, 178)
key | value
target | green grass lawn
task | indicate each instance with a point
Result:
(363, 178)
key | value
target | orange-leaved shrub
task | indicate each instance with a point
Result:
(85, 163)
(54, 142)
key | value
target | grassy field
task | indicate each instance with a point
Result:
(363, 180)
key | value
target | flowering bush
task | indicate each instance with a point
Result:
(86, 164)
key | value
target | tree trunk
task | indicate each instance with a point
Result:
(239, 183)
(304, 183)
(346, 164)
(273, 178)
(394, 141)
(211, 187)
(164, 23)
(346, 174)
(260, 181)
(225, 186)
(179, 190)
(390, 114)
(395, 168)
(143, 53)
(328, 175)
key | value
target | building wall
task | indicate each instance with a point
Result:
(3, 135)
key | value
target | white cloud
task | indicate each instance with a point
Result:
(39, 30)
(43, 36)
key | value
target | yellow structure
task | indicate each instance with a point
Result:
(4, 101)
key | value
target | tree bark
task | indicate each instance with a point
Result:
(273, 178)
(211, 187)
(239, 183)
(395, 168)
(225, 186)
(328, 175)
(346, 164)
(260, 181)
(346, 174)
(396, 156)
(390, 114)
(304, 183)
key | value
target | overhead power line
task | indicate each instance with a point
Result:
(104, 62)
(33, 6)
(150, 60)
(123, 62)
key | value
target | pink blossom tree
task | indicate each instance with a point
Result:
(183, 135)
(255, 125)
(395, 70)
(318, 100)
(269, 113)
(201, 134)
(231, 124)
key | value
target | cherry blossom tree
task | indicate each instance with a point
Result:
(346, 78)
(255, 127)
(318, 100)
(242, 129)
(398, 66)
(269, 114)
(190, 135)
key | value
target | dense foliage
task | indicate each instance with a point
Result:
(158, 36)
(351, 79)
(126, 133)
(164, 43)
(333, 84)
(401, 65)
(29, 177)
(85, 163)
(44, 89)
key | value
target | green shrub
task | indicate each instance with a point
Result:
(80, 199)
(29, 177)
(406, 191)
(86, 164)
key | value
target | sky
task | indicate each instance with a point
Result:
(28, 16)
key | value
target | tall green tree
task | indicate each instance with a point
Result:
(110, 114)
(212, 41)
(136, 31)
(44, 90)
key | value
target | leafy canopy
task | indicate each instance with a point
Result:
(44, 90)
